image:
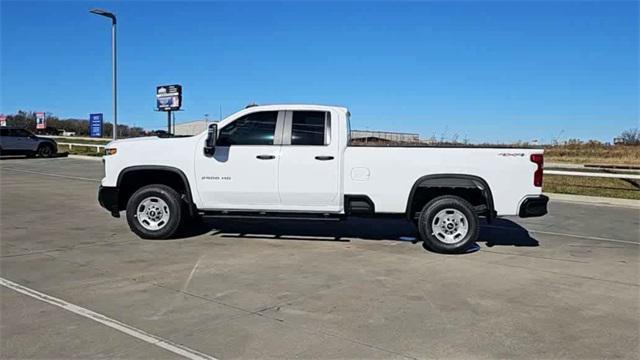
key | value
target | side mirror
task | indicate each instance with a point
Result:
(210, 142)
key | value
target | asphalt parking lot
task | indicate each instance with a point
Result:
(566, 285)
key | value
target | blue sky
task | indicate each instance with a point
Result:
(487, 71)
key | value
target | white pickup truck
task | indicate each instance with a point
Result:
(297, 162)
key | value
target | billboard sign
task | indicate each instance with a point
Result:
(169, 97)
(41, 123)
(95, 125)
(3, 120)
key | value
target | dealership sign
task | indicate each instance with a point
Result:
(95, 125)
(169, 97)
(41, 123)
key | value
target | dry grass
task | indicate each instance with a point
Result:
(593, 154)
(579, 185)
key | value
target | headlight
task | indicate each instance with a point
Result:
(110, 151)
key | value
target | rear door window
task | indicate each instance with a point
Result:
(309, 128)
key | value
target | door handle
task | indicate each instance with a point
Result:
(266, 157)
(324, 158)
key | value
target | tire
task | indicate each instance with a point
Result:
(154, 212)
(45, 151)
(448, 224)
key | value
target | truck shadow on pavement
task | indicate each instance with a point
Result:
(501, 232)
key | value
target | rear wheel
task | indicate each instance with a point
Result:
(448, 224)
(154, 212)
(45, 151)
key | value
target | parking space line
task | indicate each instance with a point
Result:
(49, 174)
(112, 323)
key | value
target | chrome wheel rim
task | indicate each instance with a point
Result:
(153, 213)
(450, 226)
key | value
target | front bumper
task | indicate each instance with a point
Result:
(108, 199)
(534, 206)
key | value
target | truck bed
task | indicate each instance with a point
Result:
(387, 173)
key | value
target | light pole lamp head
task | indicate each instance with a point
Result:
(104, 13)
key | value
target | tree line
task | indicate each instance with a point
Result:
(27, 120)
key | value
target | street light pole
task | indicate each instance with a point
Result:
(114, 81)
(114, 78)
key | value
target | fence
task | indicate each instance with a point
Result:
(601, 171)
(71, 145)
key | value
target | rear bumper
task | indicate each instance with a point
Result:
(108, 199)
(533, 206)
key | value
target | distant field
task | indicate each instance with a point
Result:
(585, 154)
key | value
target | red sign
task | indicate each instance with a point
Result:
(3, 120)
(41, 123)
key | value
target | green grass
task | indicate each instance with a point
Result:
(591, 186)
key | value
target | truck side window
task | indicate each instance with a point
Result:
(253, 129)
(308, 127)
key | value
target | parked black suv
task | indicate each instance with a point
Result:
(18, 141)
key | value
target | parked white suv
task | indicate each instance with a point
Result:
(296, 161)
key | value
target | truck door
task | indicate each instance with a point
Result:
(309, 168)
(243, 172)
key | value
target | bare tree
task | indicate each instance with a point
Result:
(631, 137)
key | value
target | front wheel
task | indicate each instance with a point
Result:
(448, 224)
(154, 212)
(45, 151)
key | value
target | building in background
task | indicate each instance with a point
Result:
(366, 136)
(191, 127)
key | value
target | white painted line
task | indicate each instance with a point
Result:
(49, 174)
(114, 324)
(586, 237)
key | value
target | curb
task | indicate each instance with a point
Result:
(595, 200)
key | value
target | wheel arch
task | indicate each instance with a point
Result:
(137, 173)
(451, 182)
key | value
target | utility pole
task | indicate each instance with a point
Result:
(113, 67)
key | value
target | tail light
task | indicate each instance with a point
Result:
(538, 159)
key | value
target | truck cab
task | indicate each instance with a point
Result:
(278, 159)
